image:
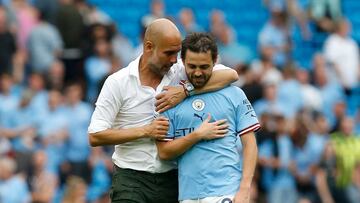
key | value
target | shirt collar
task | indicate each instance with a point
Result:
(134, 67)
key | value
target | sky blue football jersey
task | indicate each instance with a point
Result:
(211, 168)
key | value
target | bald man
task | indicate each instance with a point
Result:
(126, 116)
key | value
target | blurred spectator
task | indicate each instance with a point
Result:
(325, 13)
(275, 155)
(347, 151)
(289, 93)
(269, 103)
(100, 181)
(96, 32)
(97, 67)
(75, 190)
(53, 131)
(43, 184)
(71, 26)
(343, 53)
(187, 23)
(36, 86)
(275, 34)
(232, 53)
(13, 188)
(77, 146)
(122, 47)
(339, 111)
(23, 125)
(218, 22)
(295, 9)
(48, 8)
(11, 20)
(305, 160)
(26, 19)
(45, 45)
(311, 96)
(7, 44)
(326, 177)
(9, 102)
(249, 83)
(331, 92)
(55, 76)
(319, 63)
(91, 14)
(157, 11)
(319, 128)
(264, 69)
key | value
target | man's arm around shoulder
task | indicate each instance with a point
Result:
(174, 95)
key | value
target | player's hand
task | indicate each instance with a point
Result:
(158, 128)
(214, 130)
(169, 98)
(242, 196)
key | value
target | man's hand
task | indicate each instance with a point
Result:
(214, 130)
(169, 98)
(242, 196)
(158, 128)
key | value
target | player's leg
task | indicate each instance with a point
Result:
(167, 188)
(126, 187)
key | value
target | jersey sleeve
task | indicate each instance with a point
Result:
(245, 115)
(107, 106)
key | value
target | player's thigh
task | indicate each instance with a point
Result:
(166, 187)
(125, 188)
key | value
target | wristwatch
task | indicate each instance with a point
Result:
(189, 89)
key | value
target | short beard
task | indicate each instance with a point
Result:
(201, 85)
(156, 70)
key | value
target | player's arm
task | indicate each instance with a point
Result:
(157, 130)
(219, 79)
(101, 130)
(250, 152)
(172, 149)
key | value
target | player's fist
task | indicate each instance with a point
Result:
(158, 128)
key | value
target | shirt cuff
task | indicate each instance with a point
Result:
(253, 128)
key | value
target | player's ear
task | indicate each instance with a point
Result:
(148, 46)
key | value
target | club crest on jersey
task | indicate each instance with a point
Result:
(198, 104)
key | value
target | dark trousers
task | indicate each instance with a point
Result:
(131, 186)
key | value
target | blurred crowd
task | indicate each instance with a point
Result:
(55, 55)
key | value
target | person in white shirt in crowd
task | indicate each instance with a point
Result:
(343, 52)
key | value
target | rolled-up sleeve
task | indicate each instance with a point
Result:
(107, 106)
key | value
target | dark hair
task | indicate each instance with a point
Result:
(199, 42)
